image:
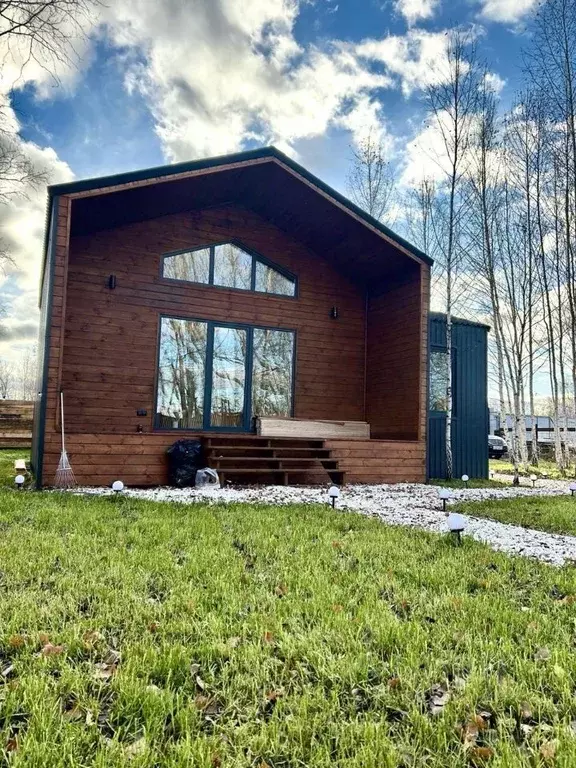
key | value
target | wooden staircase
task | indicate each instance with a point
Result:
(250, 459)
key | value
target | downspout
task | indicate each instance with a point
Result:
(48, 275)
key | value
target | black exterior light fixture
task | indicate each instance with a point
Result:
(334, 312)
(111, 282)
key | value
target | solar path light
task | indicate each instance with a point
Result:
(117, 486)
(456, 525)
(465, 479)
(333, 494)
(533, 478)
(444, 494)
(19, 481)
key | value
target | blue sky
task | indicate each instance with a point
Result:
(97, 127)
(171, 80)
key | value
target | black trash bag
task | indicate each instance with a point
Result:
(185, 458)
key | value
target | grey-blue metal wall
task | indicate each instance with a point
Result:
(470, 423)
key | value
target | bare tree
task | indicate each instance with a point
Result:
(452, 102)
(371, 178)
(6, 379)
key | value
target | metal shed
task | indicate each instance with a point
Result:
(470, 422)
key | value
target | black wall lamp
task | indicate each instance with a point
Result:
(111, 282)
(334, 312)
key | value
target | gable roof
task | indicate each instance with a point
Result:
(105, 184)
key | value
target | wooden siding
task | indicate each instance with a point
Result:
(396, 358)
(102, 345)
(110, 347)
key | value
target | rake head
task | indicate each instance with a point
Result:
(64, 477)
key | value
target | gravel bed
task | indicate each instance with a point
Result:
(411, 505)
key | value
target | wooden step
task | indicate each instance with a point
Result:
(284, 476)
(234, 462)
(279, 451)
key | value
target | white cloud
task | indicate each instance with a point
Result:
(217, 73)
(495, 82)
(415, 10)
(507, 11)
(416, 58)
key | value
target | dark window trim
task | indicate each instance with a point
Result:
(211, 324)
(256, 257)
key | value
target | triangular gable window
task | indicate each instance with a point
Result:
(229, 266)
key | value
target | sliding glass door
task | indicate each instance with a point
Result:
(217, 376)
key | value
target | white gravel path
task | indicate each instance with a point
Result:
(411, 505)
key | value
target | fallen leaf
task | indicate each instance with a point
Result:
(16, 641)
(200, 683)
(112, 657)
(268, 637)
(91, 637)
(438, 697)
(281, 590)
(215, 761)
(194, 669)
(12, 744)
(52, 650)
(526, 711)
(394, 682)
(74, 713)
(153, 688)
(480, 756)
(548, 750)
(337, 608)
(470, 735)
(542, 654)
(234, 642)
(89, 718)
(103, 671)
(337, 545)
(568, 600)
(526, 730)
(43, 638)
(274, 695)
(201, 702)
(136, 749)
(153, 627)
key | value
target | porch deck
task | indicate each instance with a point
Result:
(139, 459)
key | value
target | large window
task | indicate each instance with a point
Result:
(438, 380)
(219, 376)
(229, 266)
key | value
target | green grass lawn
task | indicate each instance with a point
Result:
(556, 514)
(148, 634)
(503, 466)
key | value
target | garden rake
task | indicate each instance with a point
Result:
(64, 475)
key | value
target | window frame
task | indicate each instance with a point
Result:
(256, 257)
(247, 425)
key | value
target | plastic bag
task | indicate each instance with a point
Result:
(207, 477)
(185, 458)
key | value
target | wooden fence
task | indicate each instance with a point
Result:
(16, 423)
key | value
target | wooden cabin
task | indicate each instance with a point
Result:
(238, 300)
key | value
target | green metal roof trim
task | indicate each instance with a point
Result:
(85, 185)
(459, 320)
